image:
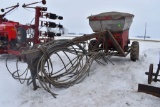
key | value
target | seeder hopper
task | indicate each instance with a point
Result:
(111, 35)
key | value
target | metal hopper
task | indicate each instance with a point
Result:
(113, 21)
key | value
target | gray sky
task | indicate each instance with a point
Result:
(75, 13)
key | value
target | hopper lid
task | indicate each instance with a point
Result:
(112, 15)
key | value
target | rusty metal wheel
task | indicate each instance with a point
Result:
(150, 74)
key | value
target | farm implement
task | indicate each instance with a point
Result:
(110, 39)
(16, 38)
(116, 40)
(72, 58)
(152, 77)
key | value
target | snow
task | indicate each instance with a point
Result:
(106, 86)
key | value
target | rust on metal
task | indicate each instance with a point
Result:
(32, 54)
(89, 36)
(103, 33)
(118, 47)
(150, 74)
(155, 91)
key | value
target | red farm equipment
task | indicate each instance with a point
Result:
(110, 39)
(116, 40)
(16, 38)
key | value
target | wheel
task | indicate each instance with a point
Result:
(134, 52)
(150, 74)
(21, 35)
(91, 46)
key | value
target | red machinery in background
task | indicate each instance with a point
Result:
(117, 40)
(14, 38)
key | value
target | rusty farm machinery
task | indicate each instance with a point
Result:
(110, 38)
(152, 77)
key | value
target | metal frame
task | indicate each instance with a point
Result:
(155, 91)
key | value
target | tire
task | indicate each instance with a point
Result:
(21, 35)
(134, 52)
(91, 46)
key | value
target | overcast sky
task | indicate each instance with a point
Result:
(75, 13)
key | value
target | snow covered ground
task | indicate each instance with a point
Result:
(106, 86)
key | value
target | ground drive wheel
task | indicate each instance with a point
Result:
(91, 46)
(134, 53)
(150, 74)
